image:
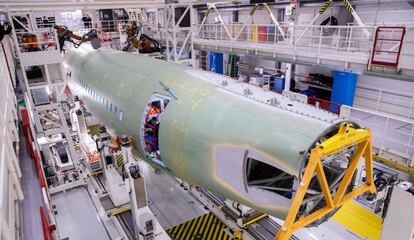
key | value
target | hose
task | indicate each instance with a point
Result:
(332, 22)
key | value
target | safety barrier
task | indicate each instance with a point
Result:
(47, 217)
(387, 46)
(348, 41)
(325, 105)
(384, 100)
(45, 40)
(389, 134)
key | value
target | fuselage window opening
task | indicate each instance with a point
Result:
(151, 124)
(120, 115)
(267, 177)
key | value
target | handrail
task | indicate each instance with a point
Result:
(346, 114)
(399, 103)
(317, 40)
(390, 134)
(385, 90)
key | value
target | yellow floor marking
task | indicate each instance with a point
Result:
(208, 226)
(359, 220)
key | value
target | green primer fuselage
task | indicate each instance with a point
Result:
(202, 118)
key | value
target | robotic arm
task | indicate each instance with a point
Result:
(135, 39)
(64, 34)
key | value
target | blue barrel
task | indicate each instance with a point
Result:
(216, 62)
(279, 84)
(343, 90)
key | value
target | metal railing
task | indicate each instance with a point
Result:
(320, 39)
(110, 25)
(391, 102)
(389, 134)
(45, 40)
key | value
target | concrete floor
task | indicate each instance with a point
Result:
(77, 217)
(327, 231)
(32, 225)
(170, 203)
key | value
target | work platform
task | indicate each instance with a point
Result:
(289, 53)
(355, 47)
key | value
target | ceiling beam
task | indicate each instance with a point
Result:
(13, 6)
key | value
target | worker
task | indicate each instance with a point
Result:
(153, 110)
(87, 21)
(150, 126)
(151, 134)
(5, 29)
(45, 22)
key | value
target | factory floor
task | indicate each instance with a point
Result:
(33, 200)
(170, 203)
(78, 219)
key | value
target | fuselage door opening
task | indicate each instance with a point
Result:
(151, 124)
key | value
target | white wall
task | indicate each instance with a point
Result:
(396, 95)
(10, 188)
(259, 17)
(386, 13)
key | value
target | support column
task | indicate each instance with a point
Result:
(288, 76)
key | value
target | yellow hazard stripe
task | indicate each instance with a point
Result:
(94, 129)
(77, 148)
(207, 226)
(207, 12)
(325, 6)
(348, 6)
(119, 160)
(394, 164)
(254, 8)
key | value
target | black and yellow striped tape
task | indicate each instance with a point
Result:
(254, 8)
(119, 160)
(325, 6)
(205, 227)
(94, 129)
(77, 148)
(348, 6)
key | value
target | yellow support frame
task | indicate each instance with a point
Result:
(347, 136)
